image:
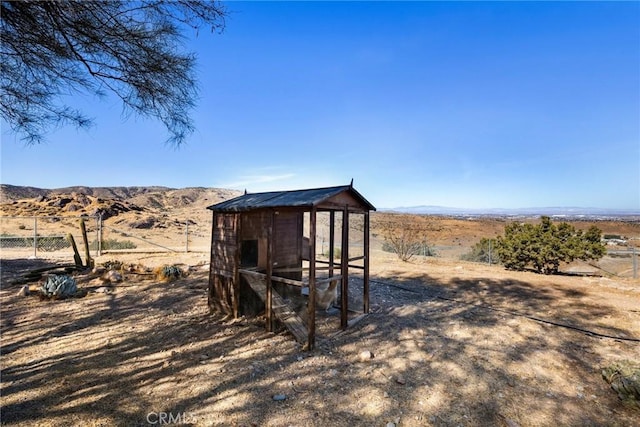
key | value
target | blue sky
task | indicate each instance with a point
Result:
(461, 104)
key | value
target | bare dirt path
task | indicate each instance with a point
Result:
(453, 344)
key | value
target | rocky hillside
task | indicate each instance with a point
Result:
(108, 201)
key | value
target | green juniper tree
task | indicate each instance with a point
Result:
(545, 246)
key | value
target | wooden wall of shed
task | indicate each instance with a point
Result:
(343, 199)
(254, 226)
(226, 291)
(222, 270)
(287, 236)
(287, 241)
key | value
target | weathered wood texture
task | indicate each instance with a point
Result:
(288, 317)
(222, 276)
(267, 232)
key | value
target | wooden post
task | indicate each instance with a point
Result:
(35, 237)
(269, 299)
(76, 256)
(235, 301)
(100, 237)
(311, 340)
(97, 236)
(332, 240)
(85, 241)
(344, 261)
(186, 236)
(212, 278)
(365, 297)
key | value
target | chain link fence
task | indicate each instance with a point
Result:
(49, 237)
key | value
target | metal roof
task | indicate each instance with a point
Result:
(279, 199)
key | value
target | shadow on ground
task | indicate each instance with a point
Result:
(448, 353)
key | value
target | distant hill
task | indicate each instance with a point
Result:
(572, 212)
(128, 203)
(154, 196)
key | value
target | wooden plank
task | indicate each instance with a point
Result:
(301, 269)
(357, 319)
(365, 296)
(235, 299)
(269, 294)
(223, 273)
(288, 281)
(332, 240)
(344, 257)
(281, 310)
(311, 342)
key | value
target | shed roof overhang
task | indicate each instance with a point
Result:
(329, 198)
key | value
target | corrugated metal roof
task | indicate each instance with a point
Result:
(279, 199)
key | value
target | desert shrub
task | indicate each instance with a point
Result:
(411, 249)
(168, 273)
(544, 246)
(483, 251)
(624, 378)
(405, 235)
(113, 244)
(337, 253)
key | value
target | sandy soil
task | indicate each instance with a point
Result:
(453, 344)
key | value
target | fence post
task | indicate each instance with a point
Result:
(99, 243)
(635, 263)
(35, 237)
(97, 236)
(186, 233)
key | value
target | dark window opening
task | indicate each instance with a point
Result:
(249, 253)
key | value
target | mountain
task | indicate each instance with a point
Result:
(555, 211)
(154, 196)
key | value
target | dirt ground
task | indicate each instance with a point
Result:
(447, 343)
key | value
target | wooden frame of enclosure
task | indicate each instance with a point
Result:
(258, 242)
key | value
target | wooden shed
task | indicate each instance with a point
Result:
(270, 253)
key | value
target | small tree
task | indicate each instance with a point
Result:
(483, 251)
(544, 246)
(405, 237)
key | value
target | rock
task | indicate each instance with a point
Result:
(24, 291)
(102, 290)
(112, 276)
(391, 424)
(279, 397)
(144, 223)
(365, 356)
(400, 380)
